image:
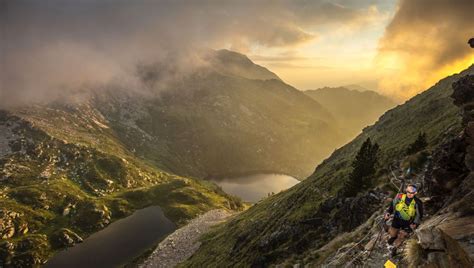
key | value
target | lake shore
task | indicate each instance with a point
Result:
(182, 243)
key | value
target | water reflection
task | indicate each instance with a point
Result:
(119, 242)
(252, 188)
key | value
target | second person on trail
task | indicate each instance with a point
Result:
(408, 212)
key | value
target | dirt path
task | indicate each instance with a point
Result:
(182, 243)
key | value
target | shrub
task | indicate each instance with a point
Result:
(419, 144)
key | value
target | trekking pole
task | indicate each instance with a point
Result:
(394, 176)
(378, 236)
(351, 248)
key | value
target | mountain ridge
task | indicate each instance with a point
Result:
(353, 109)
(224, 111)
(290, 227)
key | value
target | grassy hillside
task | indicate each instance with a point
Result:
(64, 173)
(215, 122)
(277, 228)
(68, 170)
(353, 109)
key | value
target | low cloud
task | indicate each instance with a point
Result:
(49, 46)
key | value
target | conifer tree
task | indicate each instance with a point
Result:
(419, 144)
(363, 168)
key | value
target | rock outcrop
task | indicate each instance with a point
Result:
(91, 216)
(11, 223)
(65, 238)
(447, 239)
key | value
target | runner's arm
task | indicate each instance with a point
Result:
(392, 205)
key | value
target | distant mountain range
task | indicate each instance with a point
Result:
(352, 108)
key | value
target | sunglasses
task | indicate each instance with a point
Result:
(408, 192)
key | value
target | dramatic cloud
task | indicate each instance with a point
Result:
(50, 45)
(426, 41)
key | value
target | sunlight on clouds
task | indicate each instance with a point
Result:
(418, 49)
(401, 82)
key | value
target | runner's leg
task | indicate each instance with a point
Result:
(401, 237)
(393, 232)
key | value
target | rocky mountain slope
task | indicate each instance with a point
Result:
(64, 175)
(445, 238)
(228, 107)
(353, 109)
(306, 223)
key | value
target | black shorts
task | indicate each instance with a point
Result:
(401, 224)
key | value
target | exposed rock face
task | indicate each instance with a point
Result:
(446, 239)
(463, 96)
(11, 224)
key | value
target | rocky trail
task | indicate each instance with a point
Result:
(182, 243)
(445, 238)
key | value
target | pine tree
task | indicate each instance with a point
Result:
(419, 144)
(363, 168)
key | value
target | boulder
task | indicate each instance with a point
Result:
(64, 238)
(442, 239)
(8, 232)
(67, 209)
(91, 216)
(23, 228)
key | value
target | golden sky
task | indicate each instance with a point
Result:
(340, 54)
(400, 49)
(397, 47)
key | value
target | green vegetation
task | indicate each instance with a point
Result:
(419, 144)
(363, 169)
(275, 229)
(69, 176)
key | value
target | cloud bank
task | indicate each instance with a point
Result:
(49, 46)
(425, 41)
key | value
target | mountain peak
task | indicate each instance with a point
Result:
(233, 63)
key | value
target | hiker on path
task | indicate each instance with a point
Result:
(408, 212)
